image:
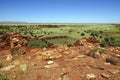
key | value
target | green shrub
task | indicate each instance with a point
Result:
(37, 43)
(100, 36)
(3, 77)
(96, 49)
(100, 50)
(82, 34)
(110, 42)
(100, 31)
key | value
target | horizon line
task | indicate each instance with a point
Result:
(23, 22)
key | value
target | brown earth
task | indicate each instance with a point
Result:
(84, 60)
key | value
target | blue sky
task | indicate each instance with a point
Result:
(60, 11)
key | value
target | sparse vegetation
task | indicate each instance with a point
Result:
(74, 32)
(48, 47)
(37, 43)
(82, 34)
(100, 50)
(3, 77)
(110, 41)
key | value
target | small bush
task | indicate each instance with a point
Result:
(2, 32)
(110, 42)
(96, 49)
(101, 32)
(100, 36)
(69, 45)
(82, 34)
(3, 77)
(100, 50)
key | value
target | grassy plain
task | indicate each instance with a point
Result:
(65, 34)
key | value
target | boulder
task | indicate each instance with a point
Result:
(105, 75)
(114, 71)
(9, 57)
(90, 76)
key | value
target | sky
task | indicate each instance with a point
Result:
(60, 11)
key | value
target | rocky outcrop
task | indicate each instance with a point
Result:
(86, 41)
(14, 40)
(16, 43)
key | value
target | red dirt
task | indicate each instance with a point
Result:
(78, 62)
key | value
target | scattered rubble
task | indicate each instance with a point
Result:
(9, 57)
(104, 75)
(15, 40)
(90, 76)
(118, 55)
(114, 71)
(87, 41)
(50, 62)
(23, 67)
(111, 61)
(16, 52)
(52, 65)
(80, 61)
(93, 54)
(7, 68)
(65, 77)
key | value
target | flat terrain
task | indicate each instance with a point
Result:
(72, 32)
